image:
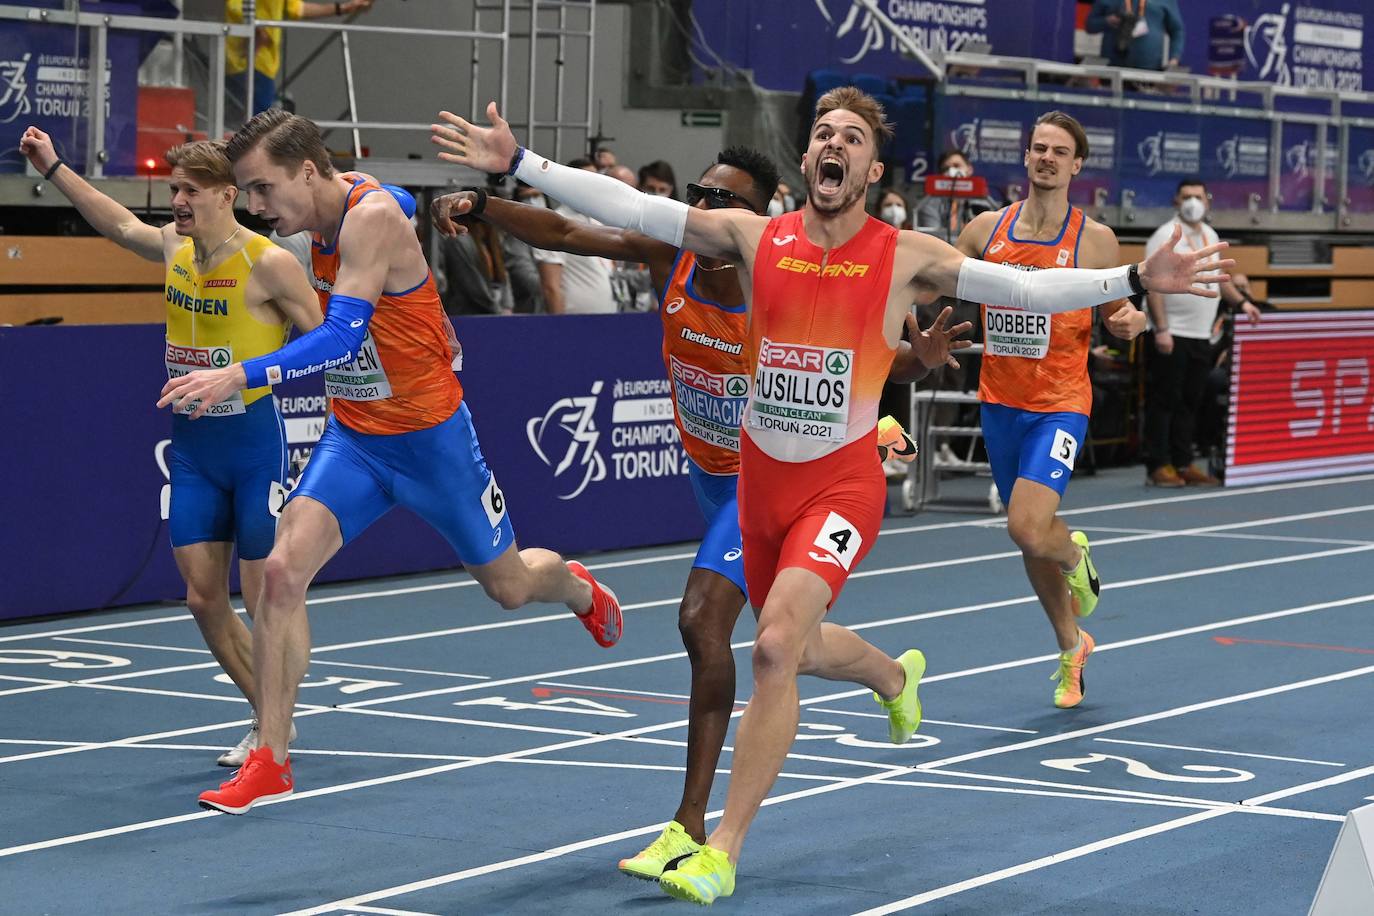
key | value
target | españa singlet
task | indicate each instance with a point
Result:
(402, 379)
(816, 336)
(704, 351)
(209, 325)
(1033, 361)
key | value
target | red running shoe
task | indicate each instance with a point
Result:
(260, 779)
(604, 620)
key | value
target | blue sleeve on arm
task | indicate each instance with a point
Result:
(333, 343)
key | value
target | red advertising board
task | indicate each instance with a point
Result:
(1302, 398)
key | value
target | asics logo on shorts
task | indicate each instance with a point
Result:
(1056, 474)
(733, 555)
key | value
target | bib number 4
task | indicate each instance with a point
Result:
(839, 542)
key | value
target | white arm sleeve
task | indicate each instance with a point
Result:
(606, 199)
(1061, 289)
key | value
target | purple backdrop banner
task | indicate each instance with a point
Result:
(1317, 45)
(782, 42)
(573, 413)
(44, 82)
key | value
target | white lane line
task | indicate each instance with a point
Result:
(1212, 750)
(1110, 646)
(313, 661)
(924, 721)
(1149, 717)
(881, 776)
(970, 523)
(950, 890)
(1067, 855)
(1223, 534)
(1091, 795)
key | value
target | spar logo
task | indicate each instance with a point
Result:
(802, 358)
(14, 89)
(199, 357)
(1267, 49)
(734, 386)
(565, 439)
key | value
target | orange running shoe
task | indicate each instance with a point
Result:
(260, 779)
(604, 621)
(1072, 686)
(893, 442)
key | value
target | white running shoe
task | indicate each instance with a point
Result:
(237, 755)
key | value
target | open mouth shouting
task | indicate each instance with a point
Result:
(830, 174)
(183, 218)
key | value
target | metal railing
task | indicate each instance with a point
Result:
(218, 33)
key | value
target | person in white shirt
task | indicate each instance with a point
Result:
(1179, 353)
(574, 284)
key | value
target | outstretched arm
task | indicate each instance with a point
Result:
(952, 273)
(110, 218)
(543, 228)
(715, 233)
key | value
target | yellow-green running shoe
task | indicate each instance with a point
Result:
(672, 844)
(1084, 585)
(1072, 684)
(904, 710)
(701, 877)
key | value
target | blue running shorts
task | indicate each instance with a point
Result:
(721, 549)
(1037, 446)
(228, 478)
(437, 473)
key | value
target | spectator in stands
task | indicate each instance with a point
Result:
(604, 159)
(574, 283)
(1179, 350)
(1133, 32)
(624, 173)
(471, 272)
(783, 201)
(947, 216)
(892, 209)
(267, 52)
(657, 178)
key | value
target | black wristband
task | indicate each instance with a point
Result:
(1133, 278)
(52, 170)
(338, 8)
(481, 203)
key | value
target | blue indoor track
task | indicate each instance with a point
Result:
(455, 758)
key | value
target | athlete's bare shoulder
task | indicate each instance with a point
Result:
(1099, 247)
(974, 237)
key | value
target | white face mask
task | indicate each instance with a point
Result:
(775, 207)
(1192, 209)
(894, 215)
(537, 200)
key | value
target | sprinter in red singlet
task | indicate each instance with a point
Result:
(399, 434)
(706, 352)
(1034, 383)
(829, 289)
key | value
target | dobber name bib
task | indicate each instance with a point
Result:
(1016, 332)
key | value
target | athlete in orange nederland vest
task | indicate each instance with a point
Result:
(706, 353)
(829, 290)
(1034, 382)
(399, 433)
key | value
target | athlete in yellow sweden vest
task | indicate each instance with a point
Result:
(231, 295)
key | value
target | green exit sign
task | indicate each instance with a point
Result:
(702, 119)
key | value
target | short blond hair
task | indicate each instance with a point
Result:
(849, 98)
(203, 160)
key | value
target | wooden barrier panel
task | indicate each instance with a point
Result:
(83, 308)
(70, 260)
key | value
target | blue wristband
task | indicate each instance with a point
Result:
(516, 160)
(331, 344)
